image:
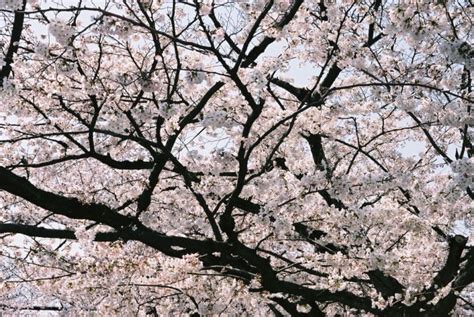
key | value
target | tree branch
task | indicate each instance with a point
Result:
(14, 42)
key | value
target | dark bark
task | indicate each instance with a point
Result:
(14, 43)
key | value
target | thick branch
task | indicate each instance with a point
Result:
(69, 207)
(14, 41)
(257, 50)
(451, 267)
(385, 284)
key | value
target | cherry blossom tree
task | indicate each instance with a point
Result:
(267, 157)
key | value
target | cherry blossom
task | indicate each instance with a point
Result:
(236, 158)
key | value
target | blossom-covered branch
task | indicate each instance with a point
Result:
(283, 157)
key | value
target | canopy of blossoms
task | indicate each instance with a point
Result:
(236, 158)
